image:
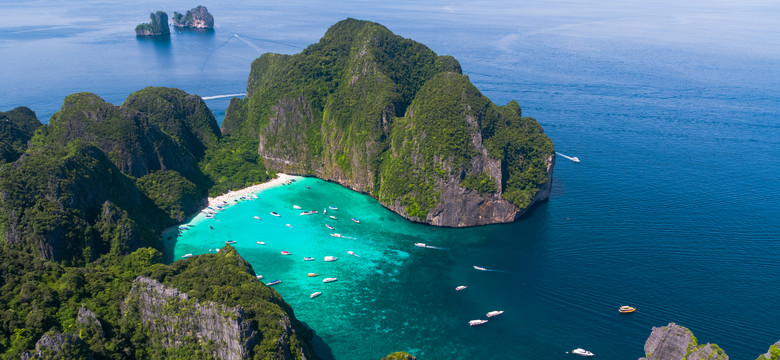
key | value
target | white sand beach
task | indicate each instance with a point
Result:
(236, 194)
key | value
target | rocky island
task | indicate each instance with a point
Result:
(388, 117)
(157, 26)
(196, 18)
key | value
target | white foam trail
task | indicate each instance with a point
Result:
(248, 43)
(575, 159)
(221, 96)
(435, 247)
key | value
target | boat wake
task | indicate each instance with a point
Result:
(572, 158)
(253, 46)
(435, 247)
(221, 96)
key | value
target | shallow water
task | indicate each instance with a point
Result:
(671, 106)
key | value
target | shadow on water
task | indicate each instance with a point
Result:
(160, 45)
(321, 349)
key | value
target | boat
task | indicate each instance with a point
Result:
(259, 243)
(312, 274)
(296, 207)
(230, 242)
(289, 226)
(479, 268)
(209, 216)
(332, 207)
(352, 253)
(462, 287)
(274, 213)
(422, 245)
(626, 309)
(331, 258)
(582, 352)
(306, 258)
(286, 253)
(333, 217)
(259, 277)
(257, 217)
(327, 280)
(575, 159)
(315, 294)
(495, 313)
(330, 227)
(336, 235)
(356, 220)
(272, 283)
(477, 322)
(187, 255)
(310, 212)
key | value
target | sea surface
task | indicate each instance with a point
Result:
(672, 106)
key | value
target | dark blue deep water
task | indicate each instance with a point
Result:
(672, 106)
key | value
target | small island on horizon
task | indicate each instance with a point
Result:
(196, 18)
(157, 25)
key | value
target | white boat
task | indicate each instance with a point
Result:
(477, 322)
(187, 255)
(480, 268)
(289, 226)
(331, 258)
(495, 313)
(336, 235)
(310, 212)
(230, 242)
(296, 207)
(332, 207)
(356, 220)
(259, 243)
(582, 352)
(352, 253)
(327, 280)
(272, 283)
(329, 227)
(462, 287)
(422, 245)
(307, 258)
(333, 217)
(259, 277)
(274, 213)
(575, 159)
(257, 217)
(315, 294)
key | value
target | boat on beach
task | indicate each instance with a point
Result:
(331, 258)
(308, 258)
(495, 313)
(581, 352)
(312, 274)
(330, 227)
(462, 287)
(477, 322)
(272, 283)
(327, 280)
(315, 294)
(626, 309)
(480, 268)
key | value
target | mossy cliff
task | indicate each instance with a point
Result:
(16, 128)
(386, 116)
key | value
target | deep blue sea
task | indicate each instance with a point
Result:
(672, 106)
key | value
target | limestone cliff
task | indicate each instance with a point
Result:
(197, 18)
(386, 116)
(16, 128)
(674, 342)
(157, 25)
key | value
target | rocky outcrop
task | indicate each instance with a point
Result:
(177, 319)
(157, 25)
(197, 18)
(399, 355)
(16, 128)
(772, 354)
(674, 342)
(54, 345)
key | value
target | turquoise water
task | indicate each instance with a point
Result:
(672, 107)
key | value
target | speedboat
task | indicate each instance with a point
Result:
(626, 309)
(329, 227)
(230, 242)
(332, 207)
(312, 274)
(582, 352)
(575, 159)
(477, 322)
(286, 253)
(187, 255)
(257, 217)
(296, 207)
(289, 226)
(352, 253)
(309, 212)
(327, 280)
(259, 277)
(495, 313)
(259, 243)
(331, 258)
(480, 268)
(308, 258)
(356, 220)
(274, 213)
(272, 283)
(315, 294)
(462, 287)
(422, 245)
(333, 217)
(336, 235)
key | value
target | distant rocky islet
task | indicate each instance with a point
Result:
(195, 18)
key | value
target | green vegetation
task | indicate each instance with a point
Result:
(171, 192)
(399, 355)
(157, 25)
(774, 354)
(233, 164)
(16, 128)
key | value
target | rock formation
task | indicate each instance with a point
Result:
(674, 342)
(772, 354)
(16, 129)
(386, 116)
(157, 26)
(197, 18)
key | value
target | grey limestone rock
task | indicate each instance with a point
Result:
(675, 342)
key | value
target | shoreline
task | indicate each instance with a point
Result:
(229, 196)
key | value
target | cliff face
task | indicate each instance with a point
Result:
(197, 18)
(674, 342)
(386, 116)
(16, 128)
(157, 25)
